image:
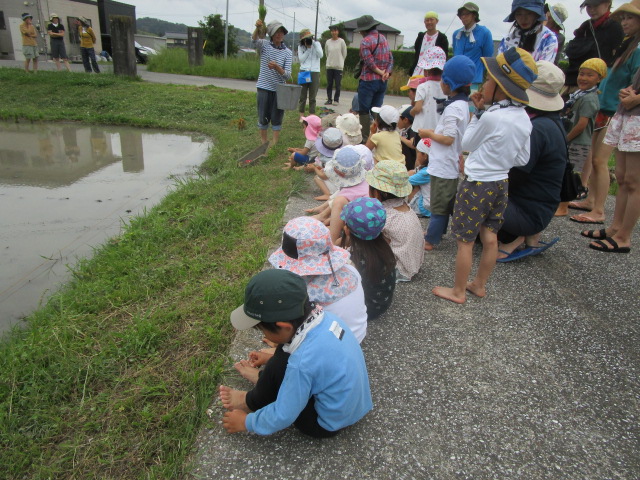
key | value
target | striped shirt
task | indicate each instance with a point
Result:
(269, 78)
(382, 58)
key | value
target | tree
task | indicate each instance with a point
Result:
(214, 36)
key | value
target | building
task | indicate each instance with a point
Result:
(392, 35)
(97, 12)
(174, 39)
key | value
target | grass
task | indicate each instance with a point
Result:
(247, 67)
(111, 379)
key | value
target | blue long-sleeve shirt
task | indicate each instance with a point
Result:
(328, 365)
(482, 46)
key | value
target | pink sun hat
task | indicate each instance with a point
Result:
(314, 125)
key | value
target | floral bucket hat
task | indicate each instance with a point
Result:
(390, 176)
(307, 249)
(434, 57)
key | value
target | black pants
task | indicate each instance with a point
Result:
(333, 75)
(266, 392)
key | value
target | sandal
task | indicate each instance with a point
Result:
(613, 246)
(577, 206)
(583, 194)
(595, 234)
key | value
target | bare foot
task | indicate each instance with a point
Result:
(447, 294)
(247, 371)
(428, 246)
(288, 167)
(312, 210)
(476, 290)
(321, 198)
(233, 399)
(298, 168)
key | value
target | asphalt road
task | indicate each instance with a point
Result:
(539, 380)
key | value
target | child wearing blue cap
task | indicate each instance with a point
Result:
(371, 253)
(444, 156)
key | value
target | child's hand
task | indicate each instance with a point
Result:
(257, 359)
(425, 133)
(373, 129)
(233, 421)
(478, 100)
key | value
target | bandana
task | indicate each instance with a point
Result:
(309, 324)
(468, 33)
(443, 103)
(517, 36)
(573, 98)
(500, 104)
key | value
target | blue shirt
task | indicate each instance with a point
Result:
(616, 80)
(482, 46)
(328, 365)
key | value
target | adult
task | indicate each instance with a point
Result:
(529, 32)
(55, 29)
(625, 64)
(275, 68)
(309, 54)
(534, 189)
(556, 16)
(377, 63)
(597, 37)
(87, 40)
(335, 50)
(425, 40)
(473, 40)
(29, 42)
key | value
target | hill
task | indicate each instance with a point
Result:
(159, 27)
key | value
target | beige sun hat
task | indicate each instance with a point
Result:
(544, 92)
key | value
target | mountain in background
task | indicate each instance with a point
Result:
(154, 26)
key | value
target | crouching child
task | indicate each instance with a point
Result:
(317, 380)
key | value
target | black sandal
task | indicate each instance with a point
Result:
(600, 246)
(601, 234)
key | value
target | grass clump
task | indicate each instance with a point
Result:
(111, 379)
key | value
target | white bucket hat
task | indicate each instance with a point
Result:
(346, 168)
(544, 92)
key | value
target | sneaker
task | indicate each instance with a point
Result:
(335, 102)
(328, 102)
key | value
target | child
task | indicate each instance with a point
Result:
(350, 127)
(424, 111)
(389, 183)
(302, 156)
(408, 137)
(412, 86)
(326, 146)
(420, 198)
(384, 140)
(317, 380)
(370, 252)
(581, 109)
(498, 140)
(444, 166)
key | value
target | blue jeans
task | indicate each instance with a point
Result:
(370, 94)
(89, 59)
(436, 229)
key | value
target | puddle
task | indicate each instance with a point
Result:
(65, 189)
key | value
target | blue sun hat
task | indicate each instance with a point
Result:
(365, 217)
(535, 6)
(458, 71)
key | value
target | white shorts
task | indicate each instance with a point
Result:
(624, 133)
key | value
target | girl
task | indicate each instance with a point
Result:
(389, 183)
(624, 136)
(371, 254)
(302, 156)
(385, 141)
(528, 31)
(425, 109)
(626, 62)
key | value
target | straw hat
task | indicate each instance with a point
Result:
(305, 33)
(632, 7)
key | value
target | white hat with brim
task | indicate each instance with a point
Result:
(330, 140)
(544, 92)
(346, 168)
(273, 26)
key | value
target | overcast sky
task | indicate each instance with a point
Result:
(405, 16)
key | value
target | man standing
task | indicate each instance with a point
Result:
(29, 42)
(55, 29)
(377, 63)
(336, 51)
(473, 40)
(425, 40)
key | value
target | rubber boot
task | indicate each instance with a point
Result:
(365, 121)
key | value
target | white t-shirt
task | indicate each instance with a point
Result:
(352, 309)
(498, 141)
(428, 117)
(444, 160)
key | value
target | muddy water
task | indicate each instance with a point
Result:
(65, 189)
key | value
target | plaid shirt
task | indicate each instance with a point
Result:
(382, 58)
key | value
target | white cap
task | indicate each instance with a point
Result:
(387, 113)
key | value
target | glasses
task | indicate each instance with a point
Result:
(464, 14)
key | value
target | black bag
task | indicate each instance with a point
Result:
(358, 70)
(571, 184)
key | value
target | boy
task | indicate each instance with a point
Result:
(316, 380)
(581, 109)
(498, 138)
(408, 137)
(444, 163)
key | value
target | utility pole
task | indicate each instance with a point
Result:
(317, 9)
(226, 32)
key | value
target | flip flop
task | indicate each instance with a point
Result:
(600, 246)
(504, 252)
(517, 255)
(584, 219)
(544, 245)
(602, 234)
(577, 206)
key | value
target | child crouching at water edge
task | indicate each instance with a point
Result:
(498, 138)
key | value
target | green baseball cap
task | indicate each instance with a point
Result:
(271, 296)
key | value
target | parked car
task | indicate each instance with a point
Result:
(143, 53)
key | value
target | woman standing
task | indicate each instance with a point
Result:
(336, 51)
(309, 54)
(425, 40)
(528, 31)
(87, 40)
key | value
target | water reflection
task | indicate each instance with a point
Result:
(66, 188)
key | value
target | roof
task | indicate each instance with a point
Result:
(382, 27)
(176, 36)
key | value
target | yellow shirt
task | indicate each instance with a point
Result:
(29, 35)
(388, 146)
(87, 37)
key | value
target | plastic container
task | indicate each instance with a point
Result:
(288, 95)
